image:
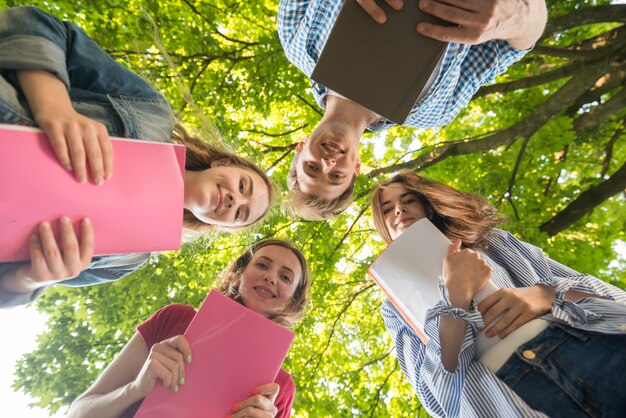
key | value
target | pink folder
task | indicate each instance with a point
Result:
(140, 209)
(234, 351)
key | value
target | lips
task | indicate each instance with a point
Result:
(332, 149)
(264, 292)
(404, 221)
(218, 198)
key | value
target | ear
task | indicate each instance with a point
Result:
(357, 167)
(222, 162)
(300, 145)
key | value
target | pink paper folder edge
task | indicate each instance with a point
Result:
(234, 350)
(138, 210)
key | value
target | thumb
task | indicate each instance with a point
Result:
(269, 390)
(454, 248)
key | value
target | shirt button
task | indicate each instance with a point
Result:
(529, 354)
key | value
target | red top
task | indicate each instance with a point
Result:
(173, 320)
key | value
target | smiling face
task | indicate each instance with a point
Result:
(226, 195)
(328, 160)
(269, 281)
(400, 208)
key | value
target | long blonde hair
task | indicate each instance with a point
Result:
(200, 155)
(231, 280)
(459, 215)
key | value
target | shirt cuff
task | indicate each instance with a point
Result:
(569, 312)
(33, 53)
(472, 316)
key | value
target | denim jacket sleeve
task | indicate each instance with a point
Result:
(102, 269)
(100, 87)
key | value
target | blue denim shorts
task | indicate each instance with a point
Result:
(565, 372)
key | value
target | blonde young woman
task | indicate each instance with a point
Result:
(270, 278)
(574, 367)
(54, 76)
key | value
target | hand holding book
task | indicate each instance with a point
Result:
(475, 21)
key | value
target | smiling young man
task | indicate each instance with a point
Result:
(489, 36)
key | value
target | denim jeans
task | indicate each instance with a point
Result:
(99, 87)
(565, 372)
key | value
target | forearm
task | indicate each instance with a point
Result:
(44, 92)
(452, 333)
(108, 405)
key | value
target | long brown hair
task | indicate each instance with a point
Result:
(459, 215)
(231, 280)
(200, 155)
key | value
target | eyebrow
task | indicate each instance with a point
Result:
(251, 187)
(402, 196)
(284, 267)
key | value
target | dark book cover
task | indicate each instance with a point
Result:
(381, 67)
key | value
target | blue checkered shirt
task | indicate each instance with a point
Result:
(304, 26)
(472, 390)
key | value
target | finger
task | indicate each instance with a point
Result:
(454, 11)
(257, 401)
(507, 319)
(70, 248)
(58, 144)
(77, 152)
(51, 252)
(157, 370)
(170, 364)
(252, 412)
(489, 301)
(269, 390)
(495, 311)
(518, 322)
(87, 242)
(38, 266)
(107, 151)
(93, 155)
(176, 356)
(372, 9)
(181, 344)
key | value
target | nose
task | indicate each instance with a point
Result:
(270, 277)
(400, 209)
(328, 163)
(230, 200)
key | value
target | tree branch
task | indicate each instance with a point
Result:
(586, 16)
(586, 202)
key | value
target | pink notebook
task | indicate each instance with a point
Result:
(234, 351)
(140, 209)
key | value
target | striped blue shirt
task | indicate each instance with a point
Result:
(304, 26)
(472, 390)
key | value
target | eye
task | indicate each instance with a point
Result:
(285, 278)
(409, 201)
(241, 186)
(311, 166)
(337, 176)
(387, 210)
(260, 265)
(237, 214)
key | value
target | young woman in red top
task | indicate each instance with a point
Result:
(271, 278)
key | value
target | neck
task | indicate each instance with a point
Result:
(348, 113)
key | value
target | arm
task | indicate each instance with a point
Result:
(74, 138)
(132, 375)
(578, 299)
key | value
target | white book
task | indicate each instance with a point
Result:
(408, 273)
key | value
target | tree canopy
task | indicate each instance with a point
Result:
(545, 144)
